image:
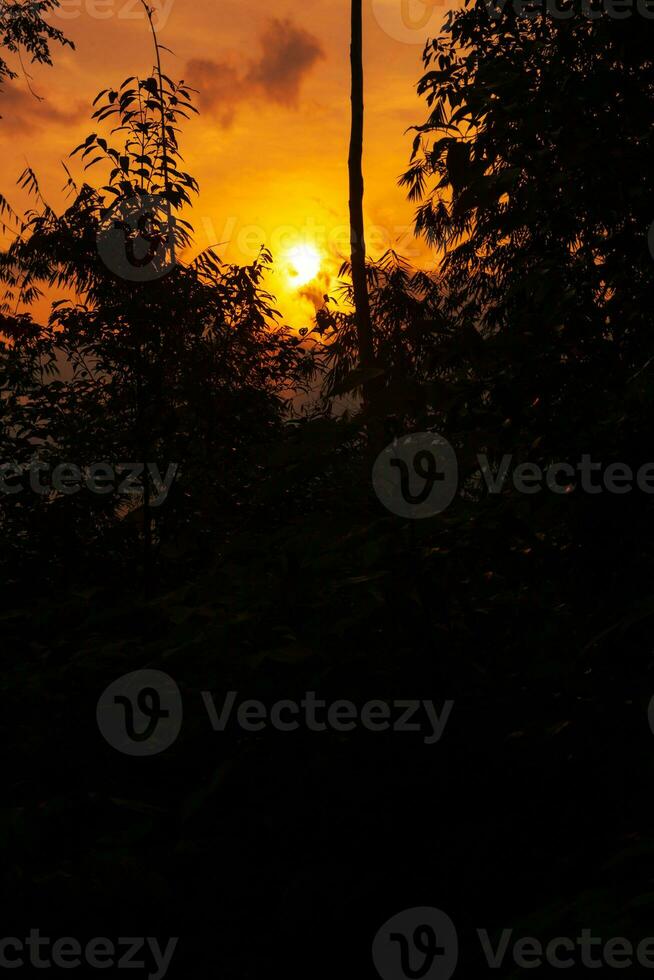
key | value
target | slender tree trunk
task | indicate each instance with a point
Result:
(357, 237)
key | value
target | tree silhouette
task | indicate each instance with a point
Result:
(546, 260)
(23, 28)
(181, 369)
(274, 571)
(357, 232)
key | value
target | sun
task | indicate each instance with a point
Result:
(303, 264)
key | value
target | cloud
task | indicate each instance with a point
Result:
(314, 294)
(22, 112)
(219, 86)
(288, 53)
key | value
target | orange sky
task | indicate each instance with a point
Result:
(270, 147)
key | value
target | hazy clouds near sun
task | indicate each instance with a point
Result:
(287, 55)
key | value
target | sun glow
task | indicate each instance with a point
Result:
(303, 264)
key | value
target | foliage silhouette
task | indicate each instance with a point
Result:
(194, 369)
(23, 28)
(273, 570)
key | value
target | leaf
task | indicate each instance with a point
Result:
(356, 378)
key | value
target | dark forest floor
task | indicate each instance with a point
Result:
(286, 851)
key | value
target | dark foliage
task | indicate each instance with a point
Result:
(272, 569)
(23, 28)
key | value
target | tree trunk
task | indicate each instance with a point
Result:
(357, 237)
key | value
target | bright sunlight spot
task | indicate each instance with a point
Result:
(303, 264)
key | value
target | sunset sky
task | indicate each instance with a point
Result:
(270, 146)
